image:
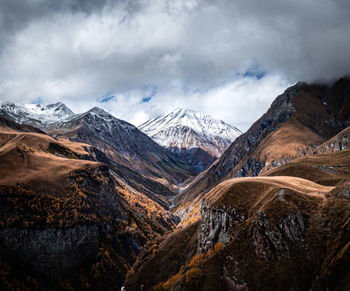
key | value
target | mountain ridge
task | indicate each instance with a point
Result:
(118, 139)
(192, 134)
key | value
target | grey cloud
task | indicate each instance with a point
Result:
(81, 50)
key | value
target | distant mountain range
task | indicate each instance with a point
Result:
(272, 213)
(197, 137)
(89, 201)
(37, 115)
(118, 139)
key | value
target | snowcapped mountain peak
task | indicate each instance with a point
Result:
(37, 115)
(59, 108)
(186, 129)
(181, 113)
(202, 124)
(97, 110)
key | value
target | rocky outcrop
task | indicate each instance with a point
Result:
(52, 251)
(270, 239)
(217, 225)
(338, 143)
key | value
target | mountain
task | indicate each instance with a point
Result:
(68, 221)
(294, 231)
(298, 121)
(196, 136)
(119, 140)
(90, 203)
(329, 166)
(123, 143)
(37, 115)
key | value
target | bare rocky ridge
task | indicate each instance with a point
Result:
(123, 143)
(338, 143)
(298, 121)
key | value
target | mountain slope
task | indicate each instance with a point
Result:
(194, 135)
(119, 140)
(36, 115)
(123, 143)
(294, 231)
(68, 222)
(330, 165)
(298, 121)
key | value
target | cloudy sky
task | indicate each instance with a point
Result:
(141, 58)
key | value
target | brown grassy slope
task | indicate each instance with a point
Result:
(297, 122)
(163, 258)
(36, 160)
(245, 193)
(67, 222)
(329, 166)
(24, 154)
(272, 151)
(326, 169)
(294, 236)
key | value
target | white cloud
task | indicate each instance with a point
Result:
(193, 52)
(238, 102)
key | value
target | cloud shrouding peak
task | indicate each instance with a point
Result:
(139, 58)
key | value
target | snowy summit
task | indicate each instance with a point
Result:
(186, 129)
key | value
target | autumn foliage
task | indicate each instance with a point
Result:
(194, 276)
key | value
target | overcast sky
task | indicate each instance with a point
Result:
(138, 59)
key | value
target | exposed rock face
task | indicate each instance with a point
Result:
(338, 143)
(232, 282)
(269, 239)
(217, 225)
(53, 251)
(61, 237)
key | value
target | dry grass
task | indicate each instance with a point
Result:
(25, 158)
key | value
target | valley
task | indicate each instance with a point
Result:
(184, 202)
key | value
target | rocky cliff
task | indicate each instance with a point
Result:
(278, 233)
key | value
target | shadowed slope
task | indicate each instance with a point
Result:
(123, 143)
(298, 121)
(261, 233)
(68, 222)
